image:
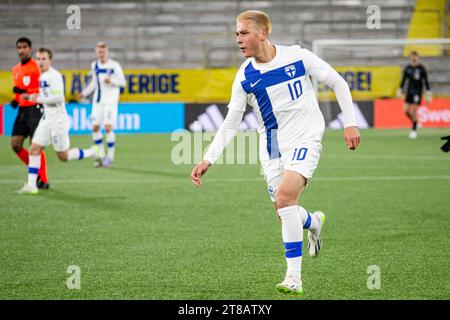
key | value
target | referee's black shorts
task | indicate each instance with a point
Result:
(413, 97)
(27, 120)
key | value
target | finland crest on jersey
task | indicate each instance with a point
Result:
(290, 70)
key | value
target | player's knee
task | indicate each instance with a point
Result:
(62, 156)
(16, 146)
(35, 150)
(285, 199)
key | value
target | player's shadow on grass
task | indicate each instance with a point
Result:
(151, 172)
(99, 202)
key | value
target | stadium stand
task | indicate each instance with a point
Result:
(196, 34)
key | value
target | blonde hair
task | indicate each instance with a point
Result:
(260, 18)
(101, 44)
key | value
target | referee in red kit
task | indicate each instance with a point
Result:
(26, 80)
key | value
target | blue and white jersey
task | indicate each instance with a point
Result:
(51, 94)
(283, 98)
(105, 93)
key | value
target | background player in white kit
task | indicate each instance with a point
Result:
(107, 78)
(274, 81)
(53, 128)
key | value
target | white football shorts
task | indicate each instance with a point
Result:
(302, 158)
(53, 131)
(104, 113)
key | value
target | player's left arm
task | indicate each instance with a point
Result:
(324, 73)
(118, 80)
(340, 87)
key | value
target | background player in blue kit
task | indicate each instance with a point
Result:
(107, 79)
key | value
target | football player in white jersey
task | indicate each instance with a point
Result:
(274, 80)
(107, 78)
(53, 128)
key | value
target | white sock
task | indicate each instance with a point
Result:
(98, 140)
(292, 232)
(33, 168)
(111, 139)
(309, 221)
(79, 154)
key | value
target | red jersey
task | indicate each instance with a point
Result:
(26, 76)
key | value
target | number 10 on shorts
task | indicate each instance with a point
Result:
(299, 154)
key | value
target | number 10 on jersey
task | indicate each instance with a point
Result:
(295, 89)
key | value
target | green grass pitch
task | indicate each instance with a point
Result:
(141, 230)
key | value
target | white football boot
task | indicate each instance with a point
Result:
(98, 156)
(26, 189)
(315, 237)
(292, 284)
(106, 162)
(413, 134)
(97, 151)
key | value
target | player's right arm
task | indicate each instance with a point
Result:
(428, 94)
(16, 89)
(402, 84)
(226, 132)
(92, 85)
(55, 94)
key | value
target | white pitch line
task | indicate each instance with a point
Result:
(232, 180)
